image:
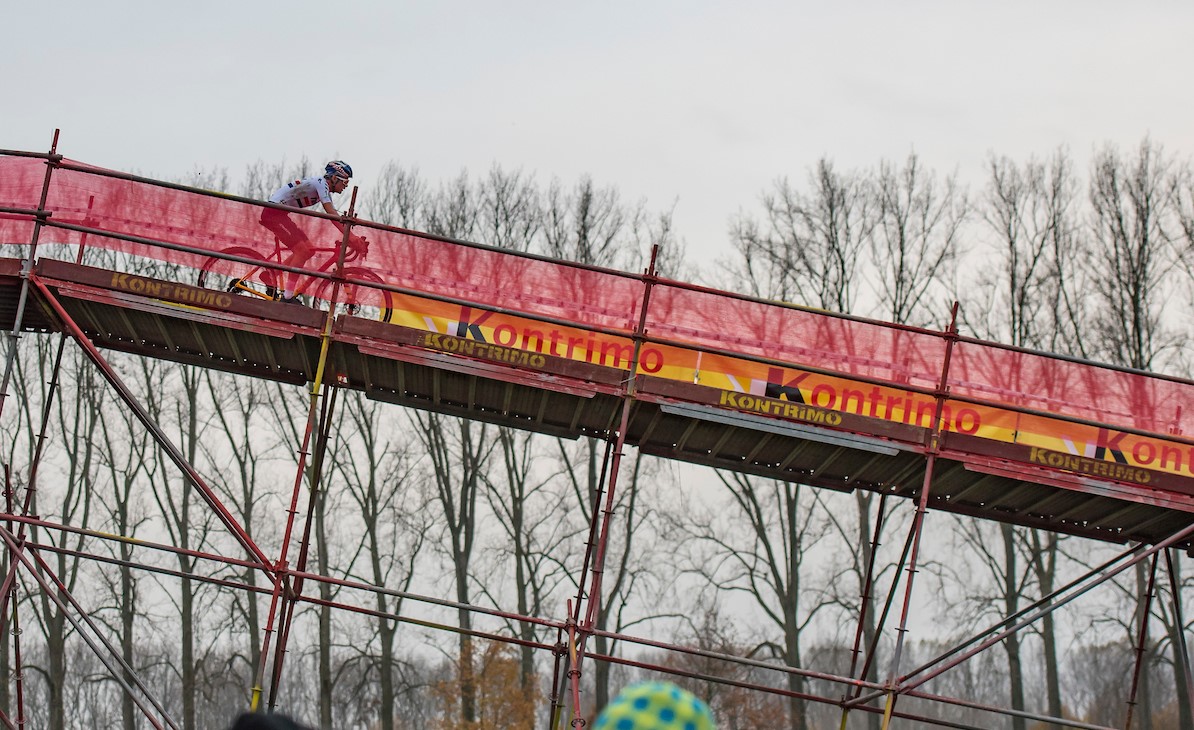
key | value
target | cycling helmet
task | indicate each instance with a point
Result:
(338, 168)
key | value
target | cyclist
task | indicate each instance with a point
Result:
(304, 193)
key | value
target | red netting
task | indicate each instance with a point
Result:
(587, 298)
(800, 336)
(215, 224)
(1083, 390)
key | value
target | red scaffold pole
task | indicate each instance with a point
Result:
(1142, 640)
(921, 509)
(592, 614)
(287, 598)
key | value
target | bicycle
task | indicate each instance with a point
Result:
(259, 280)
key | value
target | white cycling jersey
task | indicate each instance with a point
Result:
(303, 193)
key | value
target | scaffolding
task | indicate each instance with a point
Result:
(945, 421)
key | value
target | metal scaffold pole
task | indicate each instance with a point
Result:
(52, 159)
(593, 612)
(864, 605)
(918, 522)
(319, 413)
(1141, 648)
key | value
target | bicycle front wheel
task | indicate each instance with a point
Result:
(237, 277)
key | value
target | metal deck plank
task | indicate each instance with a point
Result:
(507, 397)
(652, 424)
(726, 435)
(160, 326)
(542, 407)
(692, 426)
(763, 442)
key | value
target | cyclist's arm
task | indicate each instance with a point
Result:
(331, 210)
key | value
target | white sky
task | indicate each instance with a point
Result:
(697, 103)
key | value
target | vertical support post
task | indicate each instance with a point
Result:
(26, 269)
(292, 596)
(593, 610)
(11, 596)
(1182, 650)
(1141, 639)
(865, 597)
(867, 584)
(283, 595)
(574, 670)
(557, 687)
(951, 338)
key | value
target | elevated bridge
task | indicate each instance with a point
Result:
(777, 436)
(680, 371)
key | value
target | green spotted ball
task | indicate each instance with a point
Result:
(655, 706)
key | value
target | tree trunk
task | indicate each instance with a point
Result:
(127, 644)
(1180, 667)
(1144, 694)
(325, 613)
(468, 688)
(1011, 598)
(867, 603)
(796, 706)
(387, 630)
(56, 658)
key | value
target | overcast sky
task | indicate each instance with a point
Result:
(698, 104)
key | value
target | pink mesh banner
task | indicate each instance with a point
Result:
(586, 298)
(221, 224)
(893, 355)
(1082, 390)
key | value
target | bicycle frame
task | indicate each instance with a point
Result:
(259, 271)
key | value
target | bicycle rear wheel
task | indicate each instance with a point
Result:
(359, 298)
(237, 277)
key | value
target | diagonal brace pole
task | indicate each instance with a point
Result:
(155, 430)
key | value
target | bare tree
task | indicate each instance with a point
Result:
(126, 454)
(377, 472)
(807, 248)
(186, 519)
(916, 240)
(808, 251)
(534, 518)
(758, 549)
(76, 414)
(399, 197)
(1137, 249)
(1029, 213)
(588, 224)
(243, 448)
(459, 451)
(593, 226)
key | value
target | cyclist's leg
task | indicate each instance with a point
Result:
(301, 250)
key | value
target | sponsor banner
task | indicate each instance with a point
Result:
(793, 394)
(171, 291)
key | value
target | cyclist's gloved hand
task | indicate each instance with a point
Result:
(360, 244)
